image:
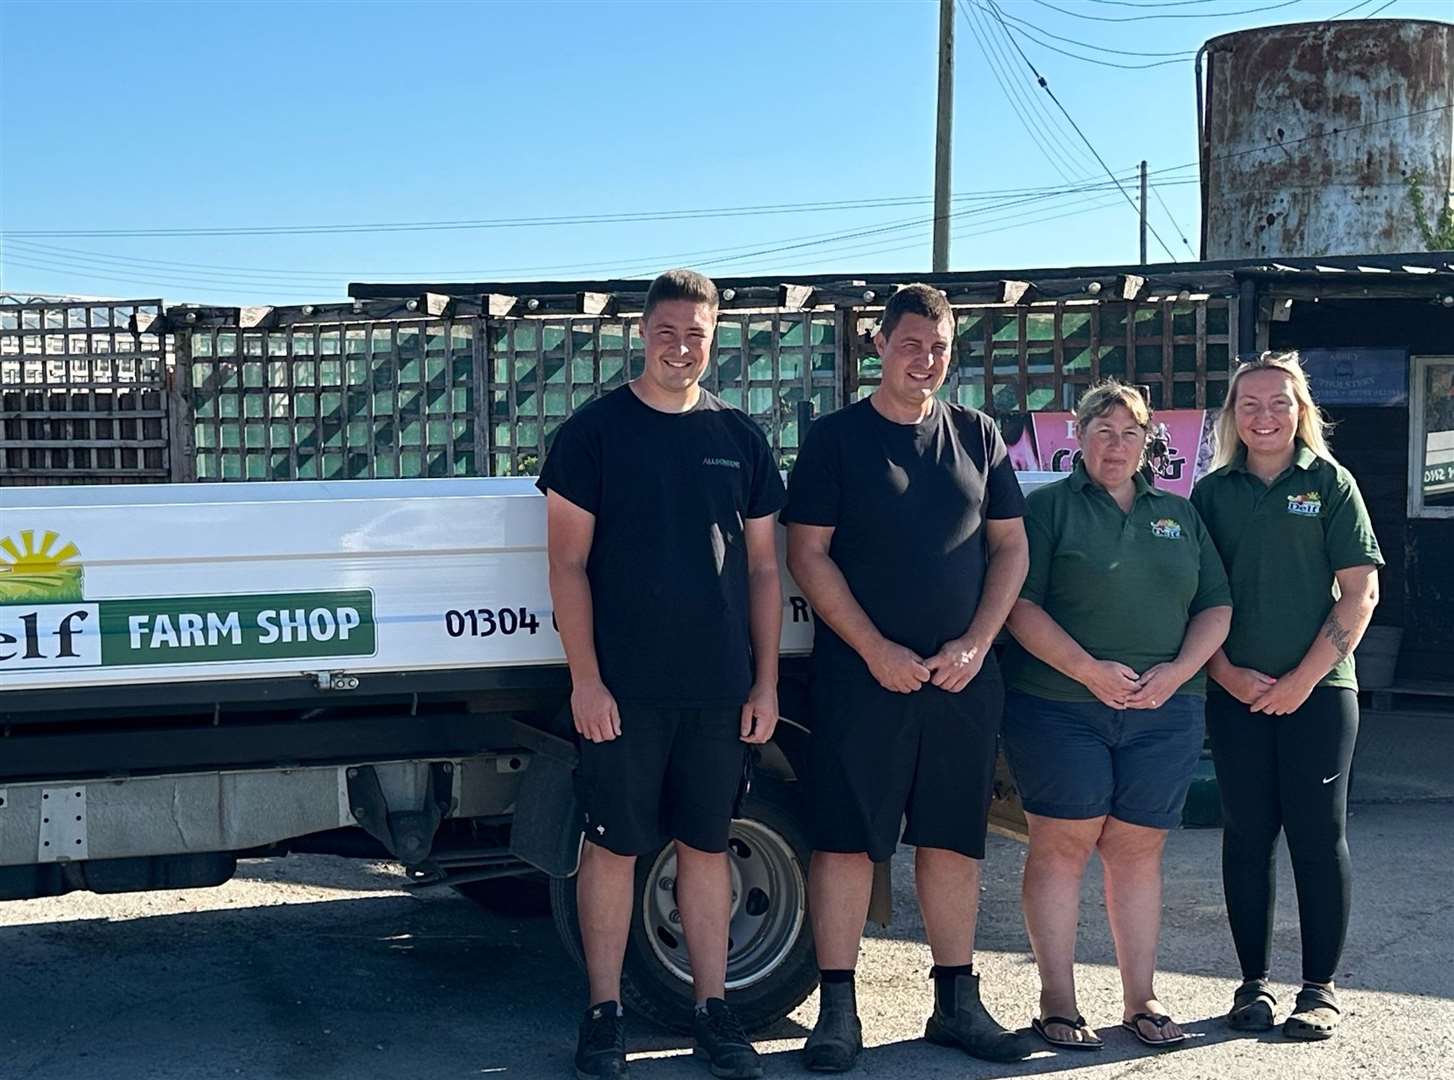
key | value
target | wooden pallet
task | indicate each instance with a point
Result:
(1412, 692)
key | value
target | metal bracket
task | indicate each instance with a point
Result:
(335, 680)
(407, 834)
(62, 824)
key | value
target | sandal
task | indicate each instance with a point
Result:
(1252, 1006)
(1315, 1015)
(1156, 1020)
(1092, 1041)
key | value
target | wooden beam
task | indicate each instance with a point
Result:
(148, 322)
(254, 318)
(794, 297)
(853, 294)
(595, 303)
(497, 305)
(1015, 292)
(982, 292)
(1127, 287)
(1334, 290)
(435, 305)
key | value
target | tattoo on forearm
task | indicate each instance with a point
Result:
(1338, 634)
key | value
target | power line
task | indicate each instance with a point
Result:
(623, 217)
(101, 268)
(628, 217)
(1283, 144)
(1155, 3)
(1085, 45)
(1030, 216)
(1168, 15)
(1349, 11)
(989, 196)
(1091, 60)
(1378, 10)
(1050, 124)
(1058, 162)
(85, 261)
(164, 279)
(959, 234)
(1071, 120)
(1172, 218)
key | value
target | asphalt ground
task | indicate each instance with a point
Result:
(316, 967)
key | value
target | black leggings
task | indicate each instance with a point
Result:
(1286, 774)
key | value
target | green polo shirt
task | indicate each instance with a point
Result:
(1124, 586)
(1282, 542)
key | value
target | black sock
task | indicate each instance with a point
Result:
(944, 976)
(829, 976)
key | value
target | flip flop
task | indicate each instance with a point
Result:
(1092, 1042)
(1315, 1015)
(1252, 1006)
(1156, 1020)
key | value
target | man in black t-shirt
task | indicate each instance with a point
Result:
(664, 574)
(905, 533)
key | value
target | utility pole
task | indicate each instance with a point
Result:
(943, 136)
(1143, 213)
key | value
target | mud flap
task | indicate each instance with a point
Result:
(546, 829)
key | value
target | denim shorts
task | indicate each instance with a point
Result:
(1082, 759)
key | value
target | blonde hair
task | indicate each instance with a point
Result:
(1104, 397)
(1312, 425)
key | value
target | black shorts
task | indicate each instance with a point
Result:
(877, 757)
(672, 774)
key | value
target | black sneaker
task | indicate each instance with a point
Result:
(601, 1047)
(722, 1044)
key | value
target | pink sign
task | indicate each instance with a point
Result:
(1179, 449)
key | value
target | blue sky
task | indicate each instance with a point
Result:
(145, 116)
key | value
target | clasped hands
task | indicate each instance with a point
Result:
(903, 671)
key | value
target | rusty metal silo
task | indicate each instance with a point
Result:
(1309, 130)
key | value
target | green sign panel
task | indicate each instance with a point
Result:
(213, 629)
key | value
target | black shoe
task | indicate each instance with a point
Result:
(963, 1022)
(837, 1037)
(601, 1047)
(722, 1044)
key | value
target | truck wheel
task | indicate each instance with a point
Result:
(527, 896)
(771, 967)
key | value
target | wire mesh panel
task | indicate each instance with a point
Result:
(1044, 356)
(335, 401)
(543, 369)
(83, 394)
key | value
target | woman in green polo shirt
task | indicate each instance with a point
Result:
(1125, 601)
(1283, 713)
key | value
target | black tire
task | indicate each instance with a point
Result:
(768, 975)
(526, 897)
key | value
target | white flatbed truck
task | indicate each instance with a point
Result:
(196, 673)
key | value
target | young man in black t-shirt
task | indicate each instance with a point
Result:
(664, 575)
(905, 533)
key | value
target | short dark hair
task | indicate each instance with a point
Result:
(916, 299)
(680, 285)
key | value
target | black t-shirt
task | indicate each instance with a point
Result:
(668, 562)
(908, 504)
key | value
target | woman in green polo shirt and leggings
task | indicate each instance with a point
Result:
(1283, 715)
(1125, 601)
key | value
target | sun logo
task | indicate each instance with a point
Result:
(31, 574)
